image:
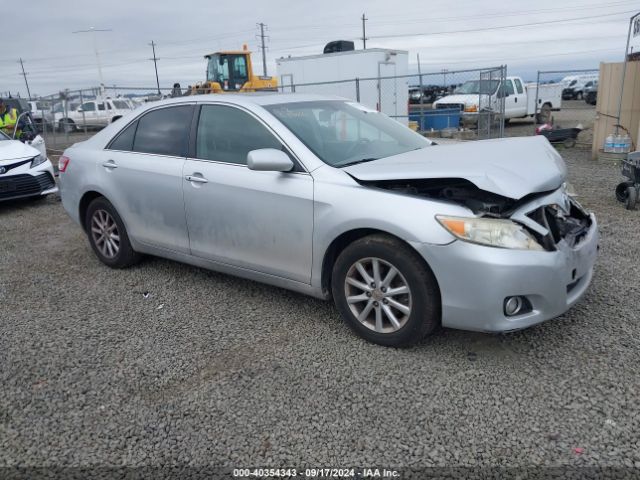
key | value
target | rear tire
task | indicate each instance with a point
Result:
(387, 308)
(67, 125)
(108, 236)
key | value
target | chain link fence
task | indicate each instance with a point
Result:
(72, 115)
(566, 99)
(427, 102)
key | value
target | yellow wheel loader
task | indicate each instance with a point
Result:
(232, 72)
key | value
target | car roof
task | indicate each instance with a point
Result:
(253, 98)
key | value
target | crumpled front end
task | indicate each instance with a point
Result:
(477, 282)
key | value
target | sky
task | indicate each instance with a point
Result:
(526, 36)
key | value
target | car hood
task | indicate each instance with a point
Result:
(511, 167)
(462, 98)
(11, 150)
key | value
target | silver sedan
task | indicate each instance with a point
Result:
(330, 198)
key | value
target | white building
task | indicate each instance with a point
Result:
(336, 74)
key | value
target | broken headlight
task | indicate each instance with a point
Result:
(492, 232)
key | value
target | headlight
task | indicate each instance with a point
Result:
(40, 159)
(490, 231)
(471, 108)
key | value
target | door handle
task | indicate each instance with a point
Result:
(110, 164)
(196, 179)
(516, 99)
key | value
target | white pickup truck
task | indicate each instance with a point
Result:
(93, 113)
(519, 99)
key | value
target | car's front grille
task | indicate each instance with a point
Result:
(459, 106)
(25, 185)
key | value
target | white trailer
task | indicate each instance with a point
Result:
(376, 71)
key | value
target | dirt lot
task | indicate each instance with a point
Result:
(169, 364)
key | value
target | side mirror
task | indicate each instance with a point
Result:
(269, 160)
(79, 110)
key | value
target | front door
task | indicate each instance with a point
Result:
(514, 105)
(262, 221)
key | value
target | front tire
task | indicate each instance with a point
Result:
(385, 291)
(108, 236)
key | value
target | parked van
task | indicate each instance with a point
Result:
(573, 87)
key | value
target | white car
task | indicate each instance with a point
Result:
(41, 113)
(24, 170)
(92, 113)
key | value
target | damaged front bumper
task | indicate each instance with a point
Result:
(475, 281)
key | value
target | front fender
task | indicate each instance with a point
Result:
(340, 208)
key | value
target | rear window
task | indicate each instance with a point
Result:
(164, 131)
(124, 140)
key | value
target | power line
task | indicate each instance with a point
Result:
(502, 27)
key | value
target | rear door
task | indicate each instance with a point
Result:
(141, 173)
(262, 221)
(387, 89)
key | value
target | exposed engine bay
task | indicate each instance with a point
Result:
(456, 190)
(570, 224)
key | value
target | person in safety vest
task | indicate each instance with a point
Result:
(8, 119)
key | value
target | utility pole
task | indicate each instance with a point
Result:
(24, 74)
(155, 64)
(364, 32)
(263, 47)
(93, 31)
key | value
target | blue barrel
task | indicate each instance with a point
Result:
(437, 119)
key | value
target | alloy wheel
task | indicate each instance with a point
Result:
(104, 232)
(378, 295)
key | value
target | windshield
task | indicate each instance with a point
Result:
(121, 105)
(229, 70)
(473, 87)
(342, 133)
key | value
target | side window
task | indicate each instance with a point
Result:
(124, 140)
(89, 107)
(519, 85)
(164, 131)
(509, 85)
(101, 106)
(227, 134)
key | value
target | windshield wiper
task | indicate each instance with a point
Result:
(355, 162)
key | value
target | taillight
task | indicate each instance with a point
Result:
(63, 163)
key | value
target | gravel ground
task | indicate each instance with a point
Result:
(210, 369)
